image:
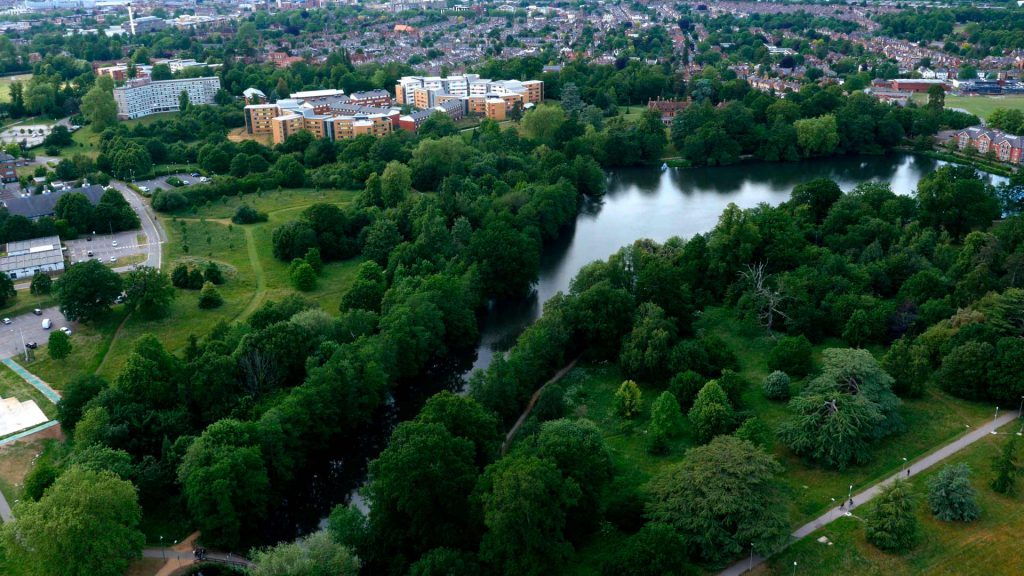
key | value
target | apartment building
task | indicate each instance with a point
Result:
(425, 91)
(8, 166)
(333, 117)
(143, 97)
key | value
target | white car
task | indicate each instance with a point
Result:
(113, 258)
(46, 324)
(114, 243)
(7, 320)
(144, 188)
(66, 330)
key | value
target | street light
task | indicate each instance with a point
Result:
(794, 567)
(833, 511)
(163, 551)
(904, 464)
(994, 420)
(751, 567)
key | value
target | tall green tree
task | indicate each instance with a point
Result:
(891, 519)
(955, 199)
(666, 421)
(86, 524)
(313, 555)
(86, 290)
(1006, 468)
(711, 413)
(98, 105)
(722, 497)
(58, 345)
(951, 497)
(525, 500)
(149, 291)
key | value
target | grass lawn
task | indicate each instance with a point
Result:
(991, 545)
(24, 302)
(5, 83)
(980, 106)
(931, 422)
(13, 385)
(252, 276)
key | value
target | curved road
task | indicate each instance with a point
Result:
(155, 235)
(916, 467)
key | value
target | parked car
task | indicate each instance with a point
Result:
(66, 330)
(114, 243)
(194, 174)
(89, 253)
(7, 320)
(113, 258)
(37, 312)
(31, 345)
(144, 188)
(88, 238)
(46, 324)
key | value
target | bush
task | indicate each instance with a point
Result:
(59, 345)
(179, 276)
(246, 214)
(209, 297)
(951, 497)
(302, 275)
(791, 355)
(685, 386)
(628, 399)
(169, 201)
(213, 273)
(175, 181)
(776, 386)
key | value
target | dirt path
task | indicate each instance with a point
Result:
(257, 270)
(533, 400)
(913, 469)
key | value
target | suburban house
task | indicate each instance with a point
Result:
(36, 206)
(26, 257)
(1005, 147)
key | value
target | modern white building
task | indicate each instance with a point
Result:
(26, 257)
(143, 97)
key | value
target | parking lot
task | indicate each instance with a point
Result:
(102, 247)
(148, 186)
(30, 327)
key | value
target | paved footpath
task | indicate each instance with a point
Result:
(916, 467)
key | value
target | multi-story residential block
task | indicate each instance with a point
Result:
(143, 97)
(1005, 147)
(426, 91)
(334, 117)
(371, 98)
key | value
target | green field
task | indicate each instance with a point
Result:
(12, 385)
(980, 106)
(932, 421)
(5, 82)
(253, 276)
(991, 545)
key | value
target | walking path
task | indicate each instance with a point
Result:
(32, 379)
(533, 400)
(916, 467)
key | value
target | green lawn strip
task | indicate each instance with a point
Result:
(12, 385)
(991, 545)
(89, 344)
(271, 201)
(25, 302)
(980, 106)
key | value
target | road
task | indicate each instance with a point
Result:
(155, 235)
(188, 556)
(31, 327)
(916, 467)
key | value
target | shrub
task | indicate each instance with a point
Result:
(169, 201)
(246, 214)
(891, 521)
(213, 273)
(685, 385)
(791, 355)
(711, 414)
(628, 399)
(302, 275)
(951, 497)
(179, 276)
(209, 297)
(41, 284)
(776, 386)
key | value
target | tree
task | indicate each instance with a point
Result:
(792, 355)
(59, 345)
(213, 274)
(313, 555)
(628, 400)
(161, 72)
(776, 386)
(842, 411)
(965, 370)
(149, 291)
(817, 136)
(956, 199)
(524, 501)
(711, 413)
(98, 105)
(666, 420)
(817, 195)
(302, 275)
(395, 183)
(183, 101)
(645, 351)
(543, 123)
(86, 290)
(656, 550)
(936, 97)
(7, 291)
(75, 396)
(951, 497)
(209, 296)
(1006, 468)
(91, 517)
(312, 257)
(292, 240)
(419, 487)
(464, 417)
(909, 365)
(179, 276)
(578, 449)
(571, 101)
(891, 521)
(722, 497)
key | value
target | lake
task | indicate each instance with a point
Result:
(659, 203)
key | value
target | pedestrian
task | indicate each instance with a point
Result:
(851, 503)
(842, 506)
(908, 472)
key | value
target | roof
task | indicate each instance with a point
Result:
(32, 253)
(5, 157)
(249, 92)
(39, 205)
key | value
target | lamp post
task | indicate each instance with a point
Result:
(904, 464)
(751, 566)
(163, 551)
(832, 513)
(794, 567)
(994, 431)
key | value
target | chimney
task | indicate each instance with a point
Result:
(131, 20)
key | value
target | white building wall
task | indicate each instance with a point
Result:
(162, 96)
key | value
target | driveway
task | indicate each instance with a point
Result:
(30, 327)
(161, 182)
(155, 235)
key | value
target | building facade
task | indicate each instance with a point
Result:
(1005, 147)
(27, 257)
(425, 91)
(8, 165)
(143, 97)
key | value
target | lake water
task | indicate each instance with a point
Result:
(660, 203)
